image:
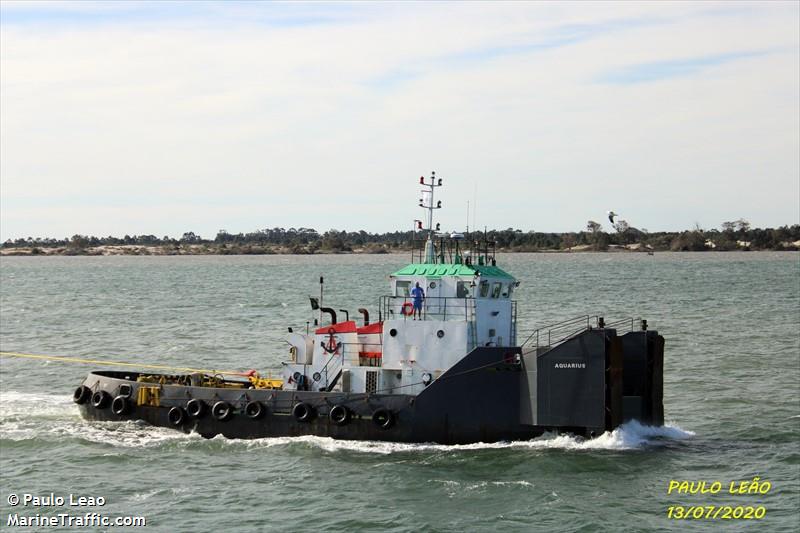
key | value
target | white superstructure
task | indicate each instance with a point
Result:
(468, 303)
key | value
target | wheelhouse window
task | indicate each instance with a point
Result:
(506, 292)
(402, 289)
(462, 289)
(496, 289)
(484, 289)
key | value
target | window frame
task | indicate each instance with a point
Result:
(496, 289)
(484, 288)
(402, 283)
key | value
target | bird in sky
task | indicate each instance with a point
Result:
(611, 215)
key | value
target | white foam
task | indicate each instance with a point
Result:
(25, 416)
(142, 496)
(629, 436)
(15, 404)
(481, 484)
(459, 488)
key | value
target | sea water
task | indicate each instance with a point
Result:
(732, 368)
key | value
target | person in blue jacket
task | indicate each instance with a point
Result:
(419, 295)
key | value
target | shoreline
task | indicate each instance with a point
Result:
(198, 249)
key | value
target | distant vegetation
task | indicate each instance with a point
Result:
(735, 235)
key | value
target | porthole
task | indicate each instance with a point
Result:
(432, 285)
(393, 332)
(440, 333)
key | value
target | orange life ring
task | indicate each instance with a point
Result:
(407, 309)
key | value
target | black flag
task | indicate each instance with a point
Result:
(314, 303)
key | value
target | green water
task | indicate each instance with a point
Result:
(732, 399)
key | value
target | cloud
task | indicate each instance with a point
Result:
(91, 14)
(288, 123)
(662, 70)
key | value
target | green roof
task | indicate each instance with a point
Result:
(449, 269)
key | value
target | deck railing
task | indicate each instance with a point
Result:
(433, 308)
(547, 337)
(350, 354)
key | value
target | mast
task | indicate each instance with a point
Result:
(426, 202)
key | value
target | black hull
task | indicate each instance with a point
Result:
(493, 394)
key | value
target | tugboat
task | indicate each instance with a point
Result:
(441, 364)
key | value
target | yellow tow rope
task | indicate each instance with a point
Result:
(64, 359)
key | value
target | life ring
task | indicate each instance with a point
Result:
(339, 415)
(302, 412)
(254, 410)
(121, 405)
(407, 309)
(100, 399)
(81, 395)
(196, 408)
(383, 418)
(176, 416)
(222, 411)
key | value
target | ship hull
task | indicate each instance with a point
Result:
(492, 394)
(476, 409)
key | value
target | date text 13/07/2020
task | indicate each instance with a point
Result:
(754, 487)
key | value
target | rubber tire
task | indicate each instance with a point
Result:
(81, 395)
(222, 411)
(383, 418)
(121, 406)
(254, 410)
(302, 412)
(339, 415)
(176, 416)
(101, 399)
(196, 408)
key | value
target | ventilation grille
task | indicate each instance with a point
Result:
(372, 381)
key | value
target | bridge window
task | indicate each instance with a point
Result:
(506, 290)
(496, 289)
(402, 289)
(462, 290)
(484, 289)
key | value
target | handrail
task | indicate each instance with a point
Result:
(325, 369)
(617, 324)
(555, 327)
(443, 307)
(331, 369)
(557, 333)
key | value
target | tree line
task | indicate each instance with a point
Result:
(733, 235)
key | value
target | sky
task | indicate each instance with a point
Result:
(167, 117)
